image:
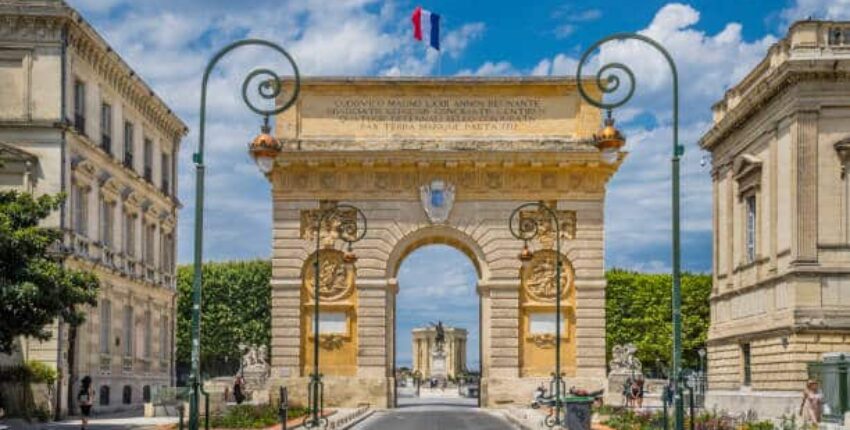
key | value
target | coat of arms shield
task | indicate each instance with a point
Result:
(437, 199)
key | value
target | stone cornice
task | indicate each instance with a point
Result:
(41, 21)
(772, 85)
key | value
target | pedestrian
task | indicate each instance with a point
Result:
(640, 392)
(810, 408)
(238, 386)
(85, 397)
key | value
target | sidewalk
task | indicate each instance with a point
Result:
(97, 423)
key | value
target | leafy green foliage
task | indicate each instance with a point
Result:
(250, 416)
(639, 311)
(35, 289)
(32, 372)
(236, 310)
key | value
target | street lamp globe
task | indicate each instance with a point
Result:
(609, 140)
(264, 149)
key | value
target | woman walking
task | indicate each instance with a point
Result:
(85, 397)
(810, 409)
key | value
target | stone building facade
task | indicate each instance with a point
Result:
(424, 342)
(781, 292)
(386, 146)
(75, 118)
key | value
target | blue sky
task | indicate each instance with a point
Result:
(715, 43)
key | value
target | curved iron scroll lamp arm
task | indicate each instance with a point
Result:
(526, 230)
(268, 89)
(608, 83)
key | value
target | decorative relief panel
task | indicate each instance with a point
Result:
(336, 277)
(304, 182)
(538, 277)
(334, 226)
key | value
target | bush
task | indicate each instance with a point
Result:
(31, 372)
(41, 373)
(250, 416)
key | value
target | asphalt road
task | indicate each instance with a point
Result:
(434, 417)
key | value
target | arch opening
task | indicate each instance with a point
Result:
(437, 279)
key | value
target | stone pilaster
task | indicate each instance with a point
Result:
(373, 331)
(590, 328)
(806, 145)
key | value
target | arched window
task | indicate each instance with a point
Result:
(127, 395)
(146, 393)
(104, 395)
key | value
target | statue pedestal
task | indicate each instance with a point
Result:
(438, 365)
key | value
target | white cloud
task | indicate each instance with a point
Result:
(570, 19)
(489, 68)
(816, 9)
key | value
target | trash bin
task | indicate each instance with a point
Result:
(579, 412)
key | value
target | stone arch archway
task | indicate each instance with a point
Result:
(443, 235)
(449, 169)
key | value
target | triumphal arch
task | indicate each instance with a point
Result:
(437, 160)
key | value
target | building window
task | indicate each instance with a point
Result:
(105, 325)
(148, 342)
(128, 331)
(164, 336)
(748, 375)
(127, 395)
(106, 128)
(166, 173)
(167, 253)
(130, 235)
(128, 144)
(751, 228)
(148, 160)
(104, 395)
(80, 106)
(81, 204)
(107, 221)
(150, 231)
(146, 393)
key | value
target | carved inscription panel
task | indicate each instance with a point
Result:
(426, 111)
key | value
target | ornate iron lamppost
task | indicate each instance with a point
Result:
(348, 223)
(608, 83)
(264, 149)
(526, 229)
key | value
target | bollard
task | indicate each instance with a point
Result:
(180, 415)
(284, 407)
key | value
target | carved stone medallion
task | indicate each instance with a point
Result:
(335, 276)
(538, 276)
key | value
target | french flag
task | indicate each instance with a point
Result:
(428, 23)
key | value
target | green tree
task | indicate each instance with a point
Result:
(236, 310)
(639, 311)
(35, 288)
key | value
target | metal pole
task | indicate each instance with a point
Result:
(316, 378)
(268, 90)
(609, 84)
